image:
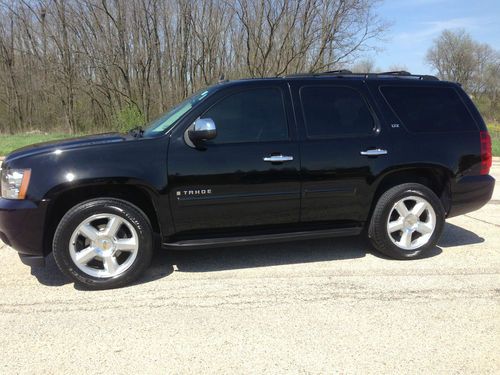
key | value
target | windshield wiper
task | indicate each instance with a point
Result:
(137, 132)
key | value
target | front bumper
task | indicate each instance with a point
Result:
(22, 226)
(470, 193)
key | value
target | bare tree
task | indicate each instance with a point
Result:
(89, 65)
(12, 96)
(285, 36)
(457, 57)
(452, 55)
(364, 66)
(397, 68)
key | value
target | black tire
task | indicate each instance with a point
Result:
(378, 232)
(74, 217)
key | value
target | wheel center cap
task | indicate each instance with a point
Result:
(410, 221)
(105, 244)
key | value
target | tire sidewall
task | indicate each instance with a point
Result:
(76, 216)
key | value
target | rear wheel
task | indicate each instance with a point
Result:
(407, 221)
(103, 243)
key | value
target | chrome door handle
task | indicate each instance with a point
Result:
(277, 158)
(374, 152)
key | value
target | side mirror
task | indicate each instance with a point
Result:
(203, 129)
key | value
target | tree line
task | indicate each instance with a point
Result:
(92, 65)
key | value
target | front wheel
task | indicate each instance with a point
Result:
(407, 221)
(103, 243)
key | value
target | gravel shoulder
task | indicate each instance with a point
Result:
(307, 307)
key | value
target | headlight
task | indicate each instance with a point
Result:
(15, 183)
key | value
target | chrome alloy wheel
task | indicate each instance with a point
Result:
(411, 223)
(104, 245)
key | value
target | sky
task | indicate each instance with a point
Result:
(415, 24)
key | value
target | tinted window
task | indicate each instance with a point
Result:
(250, 116)
(165, 121)
(335, 111)
(429, 109)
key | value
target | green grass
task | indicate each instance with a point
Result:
(495, 145)
(9, 143)
(494, 130)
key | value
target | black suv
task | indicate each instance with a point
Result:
(251, 161)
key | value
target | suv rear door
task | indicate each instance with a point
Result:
(232, 182)
(343, 148)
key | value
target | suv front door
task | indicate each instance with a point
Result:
(231, 182)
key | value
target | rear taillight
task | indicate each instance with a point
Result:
(486, 156)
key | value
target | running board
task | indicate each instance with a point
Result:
(261, 238)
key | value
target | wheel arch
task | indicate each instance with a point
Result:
(69, 196)
(435, 177)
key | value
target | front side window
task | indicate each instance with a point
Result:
(165, 121)
(255, 115)
(335, 112)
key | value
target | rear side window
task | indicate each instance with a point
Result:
(429, 109)
(255, 115)
(331, 111)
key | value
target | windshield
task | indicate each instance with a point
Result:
(165, 121)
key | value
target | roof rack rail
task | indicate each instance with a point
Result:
(404, 73)
(340, 71)
(396, 73)
(348, 73)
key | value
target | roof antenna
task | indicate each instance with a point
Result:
(221, 78)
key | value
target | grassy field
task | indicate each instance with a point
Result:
(9, 143)
(494, 130)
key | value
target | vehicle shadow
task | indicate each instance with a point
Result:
(454, 235)
(266, 255)
(50, 275)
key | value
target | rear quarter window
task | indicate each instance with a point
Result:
(429, 109)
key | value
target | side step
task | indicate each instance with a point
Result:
(261, 238)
